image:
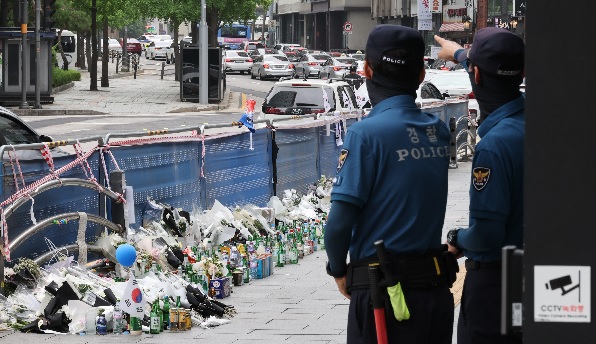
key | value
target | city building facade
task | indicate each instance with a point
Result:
(345, 24)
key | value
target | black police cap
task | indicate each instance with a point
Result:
(386, 37)
(498, 51)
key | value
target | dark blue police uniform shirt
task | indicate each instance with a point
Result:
(394, 166)
(496, 188)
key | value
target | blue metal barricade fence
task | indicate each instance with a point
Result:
(52, 202)
(165, 171)
(297, 159)
(238, 171)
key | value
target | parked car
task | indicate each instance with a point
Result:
(114, 46)
(271, 66)
(336, 67)
(133, 46)
(294, 97)
(145, 39)
(251, 45)
(445, 65)
(286, 46)
(170, 54)
(357, 56)
(455, 84)
(157, 49)
(310, 65)
(15, 131)
(292, 55)
(270, 51)
(237, 61)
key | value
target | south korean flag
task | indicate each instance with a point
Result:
(133, 302)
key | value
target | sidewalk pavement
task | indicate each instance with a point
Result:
(147, 94)
(297, 304)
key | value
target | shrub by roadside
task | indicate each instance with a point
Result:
(62, 77)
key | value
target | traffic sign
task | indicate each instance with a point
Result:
(347, 27)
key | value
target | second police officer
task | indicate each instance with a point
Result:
(391, 184)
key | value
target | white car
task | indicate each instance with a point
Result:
(455, 84)
(157, 49)
(237, 61)
(299, 97)
(114, 46)
(271, 66)
(170, 54)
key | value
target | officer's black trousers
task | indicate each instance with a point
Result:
(480, 313)
(431, 318)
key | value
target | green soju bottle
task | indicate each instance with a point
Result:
(281, 254)
(154, 319)
(166, 312)
(294, 254)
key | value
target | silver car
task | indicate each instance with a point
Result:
(271, 66)
(237, 61)
(310, 65)
(336, 67)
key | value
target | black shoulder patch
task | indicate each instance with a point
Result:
(480, 177)
(343, 155)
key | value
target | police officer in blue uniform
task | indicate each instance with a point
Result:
(391, 185)
(495, 65)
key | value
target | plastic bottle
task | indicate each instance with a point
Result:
(253, 266)
(117, 317)
(101, 325)
(90, 318)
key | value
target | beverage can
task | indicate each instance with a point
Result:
(187, 319)
(174, 319)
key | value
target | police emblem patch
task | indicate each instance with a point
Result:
(480, 177)
(343, 155)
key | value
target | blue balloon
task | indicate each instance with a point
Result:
(126, 255)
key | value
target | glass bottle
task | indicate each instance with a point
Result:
(281, 254)
(246, 272)
(166, 312)
(117, 317)
(294, 254)
(230, 276)
(135, 326)
(154, 319)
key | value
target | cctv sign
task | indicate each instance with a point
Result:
(562, 293)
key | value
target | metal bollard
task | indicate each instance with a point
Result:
(117, 63)
(453, 143)
(163, 66)
(135, 64)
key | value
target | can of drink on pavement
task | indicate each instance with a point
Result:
(185, 320)
(174, 313)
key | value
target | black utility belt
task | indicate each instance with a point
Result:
(423, 271)
(475, 265)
